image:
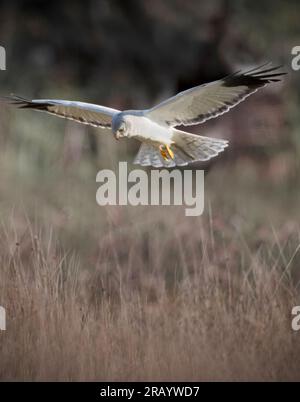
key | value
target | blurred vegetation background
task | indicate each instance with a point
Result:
(132, 54)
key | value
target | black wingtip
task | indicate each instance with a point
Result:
(14, 100)
(256, 77)
(23, 103)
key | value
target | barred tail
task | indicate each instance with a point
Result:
(196, 147)
(187, 148)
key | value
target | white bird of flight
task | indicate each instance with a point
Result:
(163, 144)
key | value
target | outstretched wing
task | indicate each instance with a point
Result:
(86, 113)
(207, 101)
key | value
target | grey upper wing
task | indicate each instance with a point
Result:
(86, 113)
(207, 101)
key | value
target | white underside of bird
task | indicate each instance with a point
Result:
(162, 144)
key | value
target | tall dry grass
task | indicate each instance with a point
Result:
(141, 293)
(185, 301)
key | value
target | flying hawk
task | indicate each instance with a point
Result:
(163, 144)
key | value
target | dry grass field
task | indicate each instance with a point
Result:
(142, 293)
(147, 293)
(162, 306)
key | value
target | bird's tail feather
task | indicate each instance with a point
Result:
(187, 148)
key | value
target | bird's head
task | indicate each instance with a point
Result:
(119, 126)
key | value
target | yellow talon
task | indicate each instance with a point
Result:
(170, 152)
(163, 152)
(166, 152)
